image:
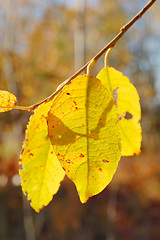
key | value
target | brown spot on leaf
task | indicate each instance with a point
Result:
(31, 154)
(100, 169)
(105, 161)
(74, 102)
(120, 117)
(22, 151)
(68, 93)
(128, 116)
(43, 116)
(64, 169)
(81, 155)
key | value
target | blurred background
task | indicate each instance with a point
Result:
(41, 44)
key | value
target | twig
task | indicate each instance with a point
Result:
(111, 44)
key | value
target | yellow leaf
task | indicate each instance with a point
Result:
(128, 109)
(131, 136)
(41, 171)
(7, 101)
(83, 130)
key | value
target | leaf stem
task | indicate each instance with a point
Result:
(91, 63)
(106, 66)
(111, 44)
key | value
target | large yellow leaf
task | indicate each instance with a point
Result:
(128, 109)
(7, 101)
(83, 130)
(41, 171)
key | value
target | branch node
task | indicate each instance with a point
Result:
(91, 63)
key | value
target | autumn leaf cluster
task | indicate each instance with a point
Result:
(81, 133)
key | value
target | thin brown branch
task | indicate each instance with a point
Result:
(111, 44)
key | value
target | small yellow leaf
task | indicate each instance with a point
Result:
(41, 171)
(7, 101)
(83, 130)
(128, 109)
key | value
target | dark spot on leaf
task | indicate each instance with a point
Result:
(105, 161)
(68, 93)
(68, 161)
(134, 154)
(74, 102)
(51, 152)
(76, 108)
(42, 117)
(58, 154)
(100, 169)
(52, 126)
(64, 169)
(22, 151)
(81, 155)
(120, 117)
(128, 116)
(31, 154)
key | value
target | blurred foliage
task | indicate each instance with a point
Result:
(37, 54)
